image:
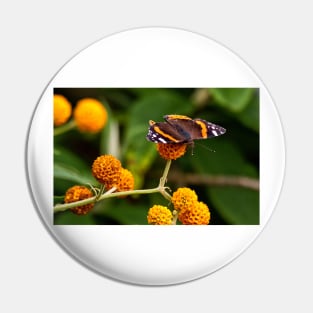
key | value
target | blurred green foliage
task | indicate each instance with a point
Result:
(234, 154)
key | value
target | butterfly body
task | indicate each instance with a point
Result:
(182, 129)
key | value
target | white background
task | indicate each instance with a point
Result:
(275, 273)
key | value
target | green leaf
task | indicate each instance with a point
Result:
(233, 99)
(237, 205)
(227, 158)
(139, 159)
(125, 212)
(109, 139)
(250, 116)
(69, 167)
(69, 173)
(69, 218)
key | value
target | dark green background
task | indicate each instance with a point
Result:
(130, 109)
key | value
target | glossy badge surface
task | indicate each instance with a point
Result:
(155, 156)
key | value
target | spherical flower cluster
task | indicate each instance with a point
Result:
(171, 151)
(108, 170)
(90, 115)
(190, 210)
(198, 214)
(126, 181)
(184, 198)
(159, 215)
(77, 193)
(62, 110)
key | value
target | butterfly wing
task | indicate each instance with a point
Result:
(207, 129)
(182, 129)
(194, 129)
(164, 133)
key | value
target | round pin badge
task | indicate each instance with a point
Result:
(155, 156)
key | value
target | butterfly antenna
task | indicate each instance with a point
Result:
(205, 147)
(192, 145)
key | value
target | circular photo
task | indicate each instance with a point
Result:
(155, 156)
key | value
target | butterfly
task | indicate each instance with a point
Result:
(182, 129)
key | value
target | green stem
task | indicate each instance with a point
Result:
(111, 194)
(165, 173)
(64, 128)
(175, 216)
(66, 206)
(163, 180)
